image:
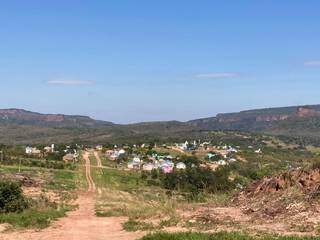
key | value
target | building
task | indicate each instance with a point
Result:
(99, 147)
(32, 151)
(133, 165)
(181, 166)
(47, 149)
(166, 166)
(258, 151)
(148, 167)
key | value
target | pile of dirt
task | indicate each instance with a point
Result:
(23, 179)
(285, 195)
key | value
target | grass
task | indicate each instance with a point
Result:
(63, 180)
(116, 179)
(133, 226)
(33, 218)
(42, 211)
(105, 161)
(93, 160)
(124, 193)
(217, 236)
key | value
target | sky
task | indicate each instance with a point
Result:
(129, 61)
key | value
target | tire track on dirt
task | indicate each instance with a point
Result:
(91, 184)
(81, 224)
(99, 163)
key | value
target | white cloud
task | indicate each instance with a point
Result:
(221, 75)
(70, 82)
(314, 63)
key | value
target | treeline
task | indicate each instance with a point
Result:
(193, 181)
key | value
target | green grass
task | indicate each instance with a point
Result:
(217, 236)
(93, 160)
(63, 180)
(33, 218)
(117, 179)
(133, 226)
(42, 211)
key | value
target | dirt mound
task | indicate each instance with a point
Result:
(25, 180)
(285, 195)
(307, 182)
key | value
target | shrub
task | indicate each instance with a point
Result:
(196, 180)
(11, 197)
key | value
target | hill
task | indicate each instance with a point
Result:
(21, 126)
(23, 117)
(288, 121)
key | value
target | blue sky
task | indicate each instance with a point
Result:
(129, 61)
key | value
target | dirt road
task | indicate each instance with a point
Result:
(99, 163)
(81, 224)
(91, 184)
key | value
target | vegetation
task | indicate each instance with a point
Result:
(33, 217)
(23, 211)
(11, 198)
(217, 236)
(192, 181)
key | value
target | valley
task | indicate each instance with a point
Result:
(237, 184)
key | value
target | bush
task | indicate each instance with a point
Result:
(192, 182)
(196, 180)
(11, 197)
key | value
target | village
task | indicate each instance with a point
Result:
(148, 157)
(145, 187)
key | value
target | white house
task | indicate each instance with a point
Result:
(28, 150)
(184, 146)
(136, 160)
(31, 150)
(181, 165)
(258, 151)
(121, 151)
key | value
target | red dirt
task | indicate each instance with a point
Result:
(81, 224)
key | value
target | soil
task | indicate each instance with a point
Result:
(81, 224)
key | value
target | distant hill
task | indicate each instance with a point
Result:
(21, 126)
(23, 117)
(295, 121)
(258, 120)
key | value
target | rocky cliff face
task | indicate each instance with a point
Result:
(272, 118)
(307, 112)
(256, 119)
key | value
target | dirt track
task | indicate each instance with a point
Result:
(99, 163)
(91, 184)
(81, 224)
